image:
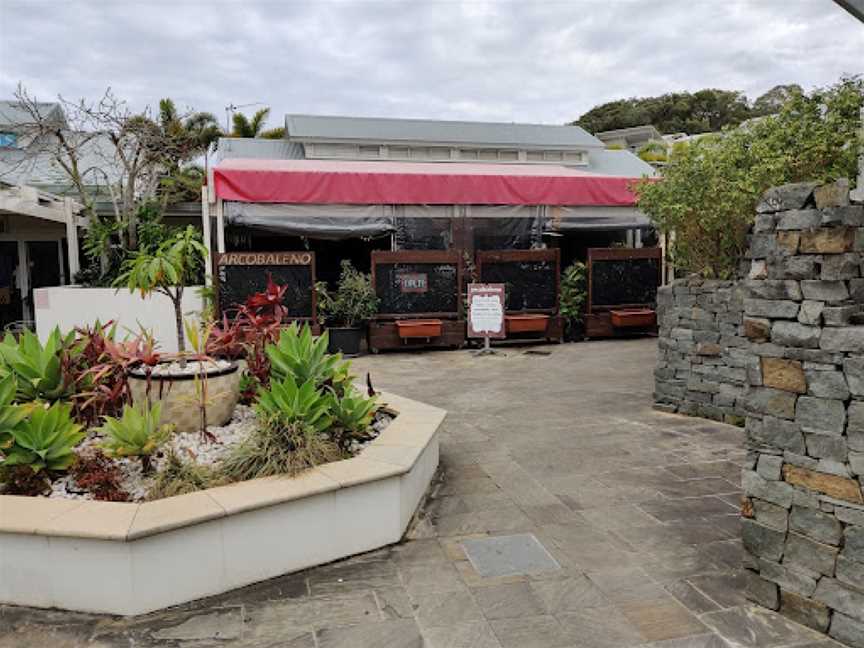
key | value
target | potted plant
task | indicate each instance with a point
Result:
(177, 383)
(572, 299)
(348, 309)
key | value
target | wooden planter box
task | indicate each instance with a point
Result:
(634, 318)
(419, 328)
(526, 323)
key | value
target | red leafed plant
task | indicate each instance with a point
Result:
(256, 324)
(98, 366)
(99, 475)
(269, 302)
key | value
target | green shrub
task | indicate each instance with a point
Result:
(37, 368)
(137, 433)
(709, 189)
(44, 441)
(302, 357)
(574, 293)
(355, 300)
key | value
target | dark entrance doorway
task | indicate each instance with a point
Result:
(10, 299)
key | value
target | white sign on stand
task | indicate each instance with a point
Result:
(486, 312)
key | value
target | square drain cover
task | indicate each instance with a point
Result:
(511, 555)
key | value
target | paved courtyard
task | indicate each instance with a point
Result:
(634, 513)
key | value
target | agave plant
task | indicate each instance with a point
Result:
(11, 415)
(352, 415)
(302, 357)
(44, 440)
(37, 368)
(285, 404)
(137, 433)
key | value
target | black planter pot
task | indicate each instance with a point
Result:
(345, 340)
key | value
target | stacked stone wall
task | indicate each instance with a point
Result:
(703, 357)
(803, 525)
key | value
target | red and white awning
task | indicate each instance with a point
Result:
(415, 183)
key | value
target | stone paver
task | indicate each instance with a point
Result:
(637, 507)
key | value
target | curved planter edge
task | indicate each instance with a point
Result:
(128, 558)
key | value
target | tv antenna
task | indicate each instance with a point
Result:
(229, 113)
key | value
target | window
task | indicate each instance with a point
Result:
(8, 140)
(370, 151)
(553, 156)
(508, 156)
(534, 156)
(467, 154)
(399, 152)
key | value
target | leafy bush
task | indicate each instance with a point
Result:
(710, 188)
(37, 368)
(137, 433)
(574, 294)
(355, 300)
(44, 441)
(167, 270)
(302, 357)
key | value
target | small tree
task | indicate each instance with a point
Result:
(710, 188)
(167, 271)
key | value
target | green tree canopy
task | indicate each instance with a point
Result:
(710, 188)
(704, 111)
(249, 127)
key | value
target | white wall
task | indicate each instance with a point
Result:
(71, 306)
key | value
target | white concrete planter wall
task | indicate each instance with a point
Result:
(124, 558)
(71, 306)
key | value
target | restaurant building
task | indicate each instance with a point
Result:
(346, 186)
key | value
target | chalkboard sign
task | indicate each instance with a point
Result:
(241, 274)
(623, 277)
(417, 283)
(531, 277)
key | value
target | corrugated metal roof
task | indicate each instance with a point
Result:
(12, 113)
(493, 134)
(618, 163)
(258, 148)
(600, 161)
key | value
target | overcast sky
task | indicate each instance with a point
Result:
(520, 60)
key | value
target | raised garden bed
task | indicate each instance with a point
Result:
(130, 558)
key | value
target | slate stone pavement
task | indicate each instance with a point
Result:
(639, 508)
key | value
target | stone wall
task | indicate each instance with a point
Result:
(803, 526)
(703, 358)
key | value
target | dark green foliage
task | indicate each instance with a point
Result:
(710, 188)
(354, 301)
(705, 111)
(574, 293)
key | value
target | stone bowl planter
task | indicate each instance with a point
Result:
(127, 558)
(177, 390)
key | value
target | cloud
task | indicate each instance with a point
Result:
(520, 60)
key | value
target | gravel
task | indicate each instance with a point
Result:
(192, 446)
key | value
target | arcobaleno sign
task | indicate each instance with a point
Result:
(265, 258)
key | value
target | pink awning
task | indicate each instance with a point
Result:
(415, 183)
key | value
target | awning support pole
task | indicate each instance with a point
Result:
(220, 226)
(205, 232)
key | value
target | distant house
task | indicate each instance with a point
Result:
(346, 185)
(38, 220)
(630, 139)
